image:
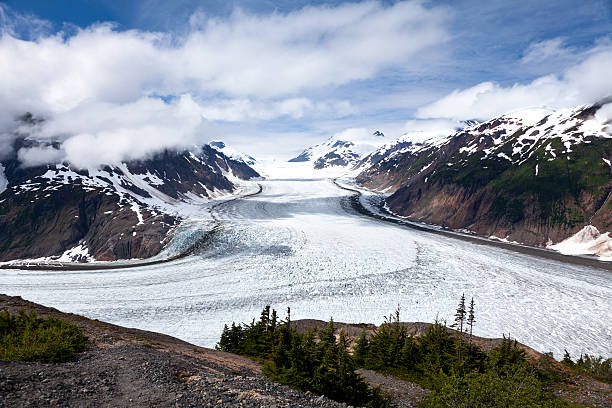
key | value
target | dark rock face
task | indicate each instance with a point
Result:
(528, 180)
(35, 224)
(335, 158)
(303, 157)
(116, 212)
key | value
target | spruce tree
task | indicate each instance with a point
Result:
(265, 317)
(360, 353)
(273, 321)
(459, 319)
(224, 341)
(471, 319)
(328, 336)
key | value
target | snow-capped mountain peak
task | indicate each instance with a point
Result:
(232, 153)
(344, 149)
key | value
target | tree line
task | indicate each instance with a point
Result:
(448, 362)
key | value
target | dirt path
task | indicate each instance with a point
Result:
(407, 394)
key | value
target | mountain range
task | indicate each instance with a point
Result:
(343, 150)
(117, 211)
(534, 176)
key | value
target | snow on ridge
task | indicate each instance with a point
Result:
(78, 253)
(345, 144)
(118, 182)
(231, 152)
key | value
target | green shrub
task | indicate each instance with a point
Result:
(597, 367)
(26, 337)
(321, 364)
(518, 387)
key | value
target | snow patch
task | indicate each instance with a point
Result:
(79, 253)
(232, 153)
(587, 241)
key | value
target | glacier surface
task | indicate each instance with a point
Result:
(300, 244)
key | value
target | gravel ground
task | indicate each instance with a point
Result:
(132, 368)
(135, 375)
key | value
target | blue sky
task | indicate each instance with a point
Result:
(415, 63)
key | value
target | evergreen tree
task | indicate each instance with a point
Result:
(411, 354)
(224, 341)
(328, 336)
(506, 355)
(471, 318)
(273, 321)
(279, 352)
(459, 319)
(360, 354)
(436, 350)
(567, 360)
(265, 317)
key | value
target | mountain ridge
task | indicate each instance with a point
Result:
(121, 211)
(532, 176)
(340, 150)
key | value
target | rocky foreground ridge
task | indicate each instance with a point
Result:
(534, 176)
(125, 367)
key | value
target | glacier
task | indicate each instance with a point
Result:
(299, 243)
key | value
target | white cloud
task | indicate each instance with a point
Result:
(419, 130)
(3, 180)
(582, 83)
(546, 50)
(354, 135)
(103, 133)
(27, 25)
(244, 56)
(604, 115)
(93, 84)
(236, 110)
(35, 156)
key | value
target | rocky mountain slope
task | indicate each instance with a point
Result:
(340, 150)
(115, 212)
(533, 176)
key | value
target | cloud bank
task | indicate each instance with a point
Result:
(585, 82)
(107, 90)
